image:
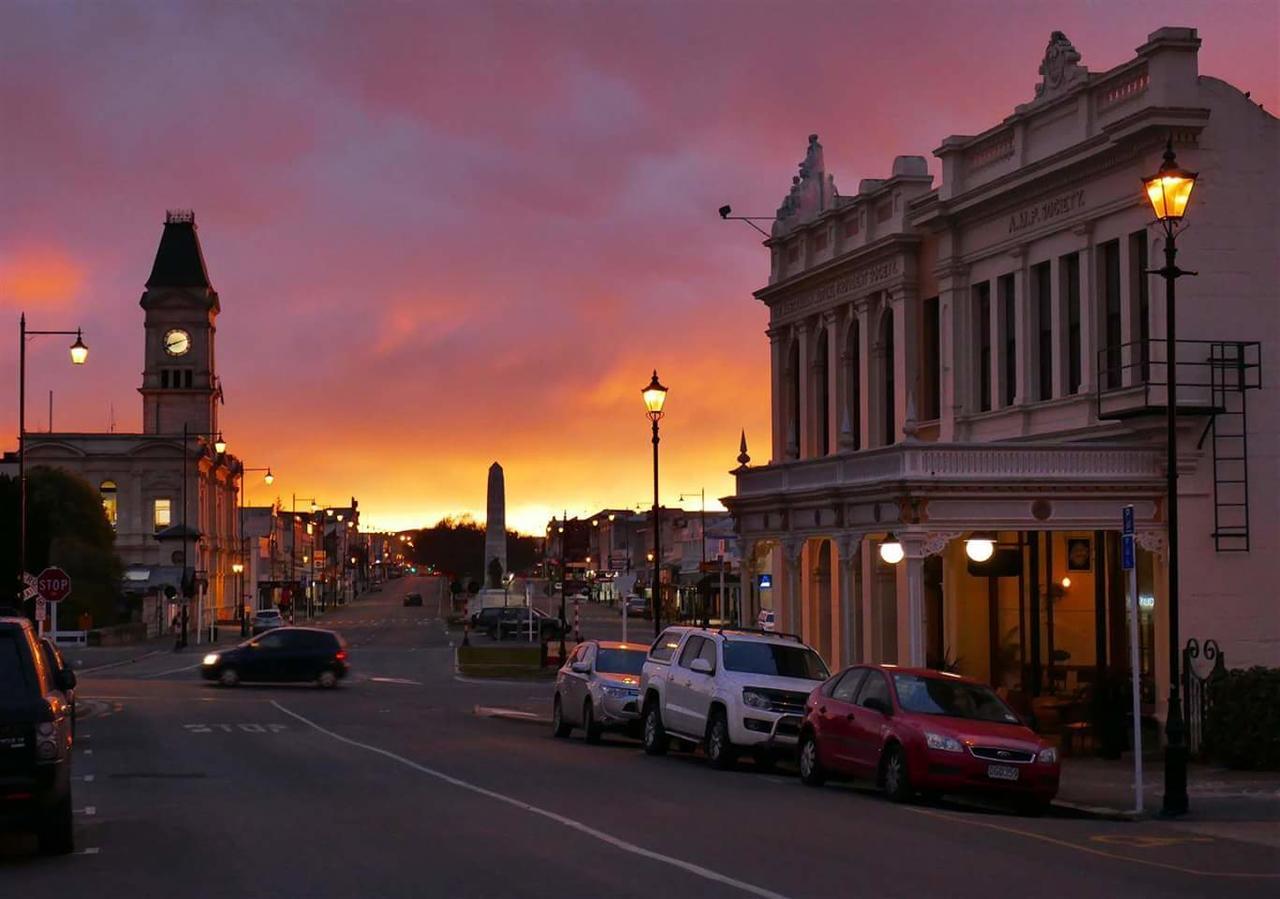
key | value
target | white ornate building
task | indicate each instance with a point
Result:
(985, 356)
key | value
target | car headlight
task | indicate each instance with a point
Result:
(620, 692)
(211, 658)
(755, 699)
(1049, 756)
(943, 742)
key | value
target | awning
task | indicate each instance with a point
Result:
(146, 578)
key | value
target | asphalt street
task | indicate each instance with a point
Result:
(410, 781)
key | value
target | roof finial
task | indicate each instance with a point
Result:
(744, 460)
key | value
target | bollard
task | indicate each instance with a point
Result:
(466, 631)
(577, 621)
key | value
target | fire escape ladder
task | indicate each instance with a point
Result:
(1229, 381)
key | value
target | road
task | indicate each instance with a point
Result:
(402, 783)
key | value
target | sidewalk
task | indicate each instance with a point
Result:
(1240, 801)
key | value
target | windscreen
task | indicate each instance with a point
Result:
(953, 698)
(620, 661)
(774, 659)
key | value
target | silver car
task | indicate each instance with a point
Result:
(598, 689)
(266, 620)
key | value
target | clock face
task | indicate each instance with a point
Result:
(177, 342)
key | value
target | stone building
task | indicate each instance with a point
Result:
(983, 359)
(167, 491)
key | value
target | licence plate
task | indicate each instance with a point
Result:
(1002, 772)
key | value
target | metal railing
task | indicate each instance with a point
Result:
(1133, 377)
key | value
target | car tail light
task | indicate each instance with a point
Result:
(341, 655)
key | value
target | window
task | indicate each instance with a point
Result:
(665, 646)
(1009, 322)
(1140, 291)
(1041, 282)
(1070, 267)
(932, 361)
(822, 387)
(708, 653)
(874, 688)
(14, 681)
(620, 661)
(773, 659)
(1109, 275)
(952, 698)
(186, 379)
(847, 687)
(163, 513)
(692, 648)
(982, 328)
(164, 377)
(110, 505)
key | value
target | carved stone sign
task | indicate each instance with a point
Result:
(866, 276)
(1047, 210)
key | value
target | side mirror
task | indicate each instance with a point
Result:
(877, 704)
(580, 668)
(702, 666)
(66, 679)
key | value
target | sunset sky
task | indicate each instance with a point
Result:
(445, 234)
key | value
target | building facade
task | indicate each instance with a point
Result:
(169, 494)
(983, 359)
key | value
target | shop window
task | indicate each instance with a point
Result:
(1041, 282)
(932, 364)
(162, 513)
(1109, 282)
(982, 328)
(1070, 268)
(1009, 327)
(110, 502)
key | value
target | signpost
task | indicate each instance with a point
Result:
(52, 586)
(1127, 562)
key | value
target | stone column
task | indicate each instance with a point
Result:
(792, 549)
(910, 583)
(850, 549)
(778, 394)
(953, 338)
(906, 356)
(1023, 391)
(1089, 315)
(832, 321)
(1058, 316)
(802, 333)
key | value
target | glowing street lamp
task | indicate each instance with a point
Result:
(980, 547)
(655, 397)
(891, 550)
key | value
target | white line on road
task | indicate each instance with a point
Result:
(690, 867)
(170, 671)
(88, 811)
(396, 680)
(120, 663)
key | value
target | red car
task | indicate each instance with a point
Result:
(915, 730)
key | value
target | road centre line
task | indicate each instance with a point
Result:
(170, 671)
(120, 663)
(1090, 850)
(572, 824)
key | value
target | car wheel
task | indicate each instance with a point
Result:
(558, 725)
(893, 775)
(811, 772)
(327, 680)
(655, 735)
(57, 835)
(229, 677)
(590, 730)
(719, 747)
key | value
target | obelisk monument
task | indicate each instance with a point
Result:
(495, 532)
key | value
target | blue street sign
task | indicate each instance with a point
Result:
(1126, 552)
(765, 581)
(1127, 518)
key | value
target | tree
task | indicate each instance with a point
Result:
(66, 527)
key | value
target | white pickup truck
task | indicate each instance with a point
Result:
(728, 690)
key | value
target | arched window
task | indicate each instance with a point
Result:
(822, 389)
(110, 502)
(886, 342)
(854, 354)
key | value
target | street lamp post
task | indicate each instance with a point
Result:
(79, 353)
(268, 478)
(1169, 189)
(564, 582)
(655, 395)
(219, 447)
(702, 535)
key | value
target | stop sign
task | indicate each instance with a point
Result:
(54, 584)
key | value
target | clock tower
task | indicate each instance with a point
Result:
(179, 380)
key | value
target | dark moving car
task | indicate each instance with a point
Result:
(413, 599)
(513, 623)
(35, 740)
(282, 655)
(486, 619)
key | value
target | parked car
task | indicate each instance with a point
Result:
(728, 689)
(486, 619)
(637, 607)
(266, 619)
(513, 624)
(284, 654)
(413, 599)
(62, 674)
(598, 689)
(914, 730)
(35, 740)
